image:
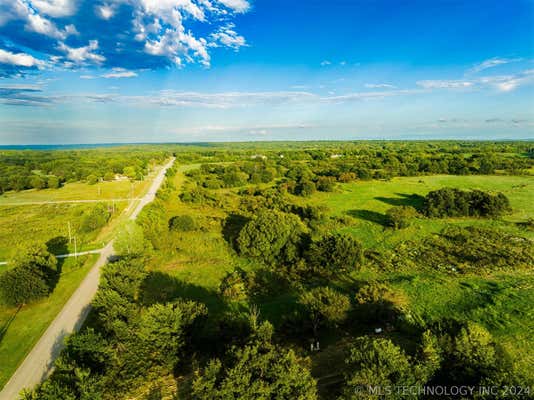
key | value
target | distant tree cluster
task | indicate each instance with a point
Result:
(21, 170)
(449, 202)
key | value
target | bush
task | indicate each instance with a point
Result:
(379, 303)
(96, 219)
(399, 217)
(182, 223)
(234, 286)
(335, 254)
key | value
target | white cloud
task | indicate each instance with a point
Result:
(492, 63)
(19, 59)
(119, 73)
(379, 86)
(325, 63)
(228, 37)
(445, 84)
(83, 55)
(105, 11)
(55, 8)
(239, 6)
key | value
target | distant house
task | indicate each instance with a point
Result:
(256, 156)
(336, 156)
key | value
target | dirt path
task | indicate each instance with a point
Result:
(39, 362)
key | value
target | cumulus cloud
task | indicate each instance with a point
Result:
(144, 33)
(119, 73)
(83, 55)
(19, 59)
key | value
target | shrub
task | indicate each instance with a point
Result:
(182, 223)
(399, 217)
(96, 219)
(335, 254)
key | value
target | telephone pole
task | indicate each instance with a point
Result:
(70, 234)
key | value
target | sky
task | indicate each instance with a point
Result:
(123, 71)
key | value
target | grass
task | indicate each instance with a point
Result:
(79, 191)
(500, 302)
(367, 201)
(22, 225)
(20, 330)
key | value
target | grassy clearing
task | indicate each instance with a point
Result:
(500, 302)
(366, 202)
(123, 189)
(20, 226)
(20, 330)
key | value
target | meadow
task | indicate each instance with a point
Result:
(192, 264)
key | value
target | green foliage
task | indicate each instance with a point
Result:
(449, 202)
(92, 179)
(97, 218)
(259, 370)
(162, 329)
(182, 223)
(400, 217)
(272, 236)
(32, 277)
(235, 285)
(376, 363)
(305, 188)
(326, 183)
(474, 249)
(335, 254)
(130, 240)
(37, 182)
(53, 182)
(379, 303)
(325, 307)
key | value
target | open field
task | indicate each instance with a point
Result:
(367, 201)
(101, 191)
(20, 329)
(502, 303)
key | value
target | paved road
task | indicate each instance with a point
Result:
(39, 362)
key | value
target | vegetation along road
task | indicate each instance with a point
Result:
(38, 364)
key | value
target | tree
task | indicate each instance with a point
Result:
(325, 306)
(335, 254)
(92, 179)
(305, 188)
(272, 236)
(399, 217)
(326, 183)
(32, 277)
(182, 223)
(130, 240)
(233, 286)
(109, 176)
(162, 330)
(53, 182)
(379, 303)
(376, 362)
(256, 371)
(96, 219)
(37, 182)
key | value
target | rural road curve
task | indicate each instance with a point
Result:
(39, 362)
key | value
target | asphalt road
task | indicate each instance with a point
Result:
(39, 362)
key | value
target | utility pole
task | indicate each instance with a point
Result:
(75, 249)
(70, 235)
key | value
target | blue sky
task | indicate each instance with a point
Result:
(77, 71)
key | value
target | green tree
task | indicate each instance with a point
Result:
(335, 254)
(37, 182)
(96, 219)
(32, 277)
(272, 236)
(376, 362)
(400, 217)
(92, 179)
(162, 330)
(53, 182)
(325, 306)
(182, 223)
(258, 371)
(130, 240)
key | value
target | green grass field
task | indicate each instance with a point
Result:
(20, 329)
(501, 302)
(123, 189)
(367, 201)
